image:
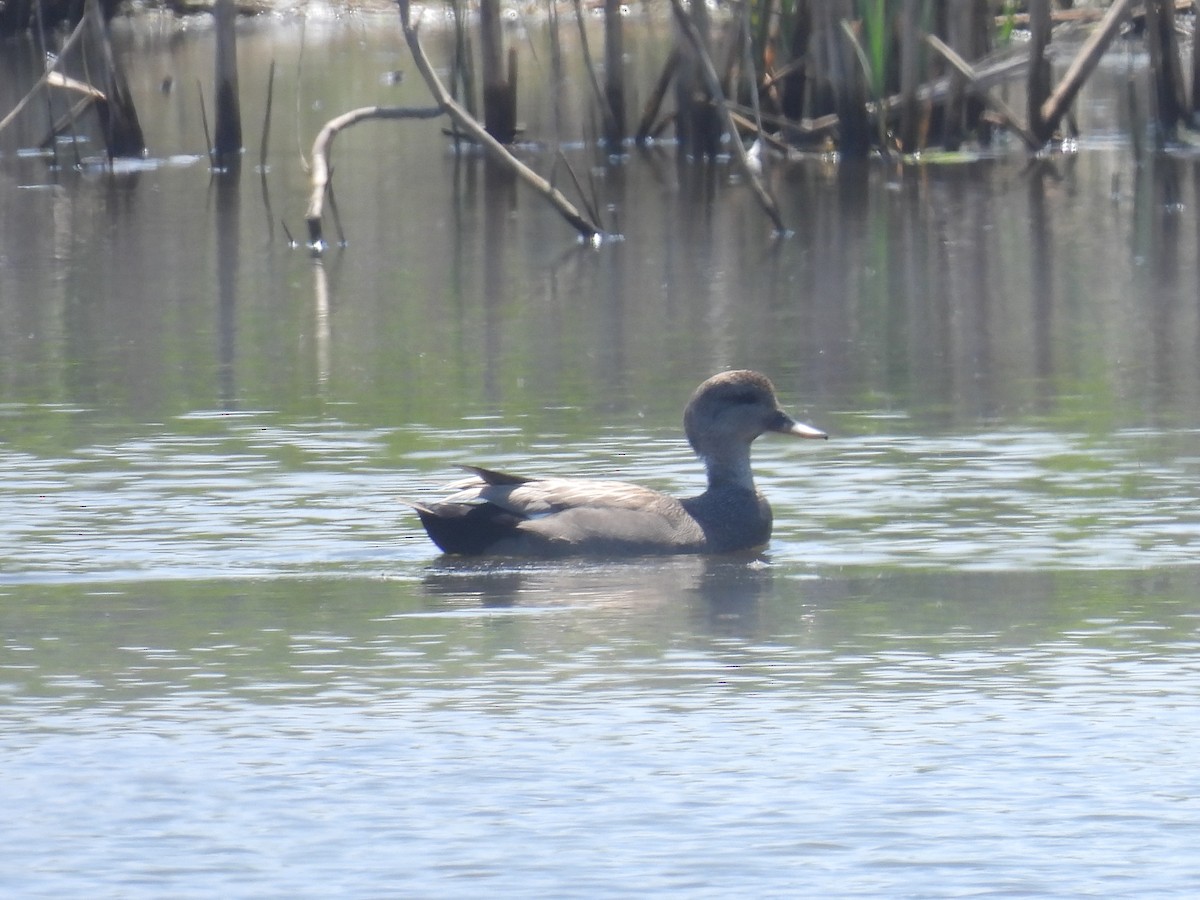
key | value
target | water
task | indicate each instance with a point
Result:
(712, 729)
(232, 664)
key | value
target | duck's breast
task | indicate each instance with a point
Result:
(732, 519)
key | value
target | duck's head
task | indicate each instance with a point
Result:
(728, 411)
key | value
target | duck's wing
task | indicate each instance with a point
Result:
(494, 512)
(532, 498)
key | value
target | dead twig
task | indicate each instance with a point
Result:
(1002, 109)
(587, 229)
(266, 129)
(204, 121)
(646, 128)
(49, 74)
(714, 88)
(606, 111)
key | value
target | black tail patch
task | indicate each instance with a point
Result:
(467, 529)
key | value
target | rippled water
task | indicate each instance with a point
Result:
(252, 497)
(231, 664)
(716, 729)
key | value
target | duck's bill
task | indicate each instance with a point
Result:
(787, 425)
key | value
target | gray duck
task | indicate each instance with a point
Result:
(495, 513)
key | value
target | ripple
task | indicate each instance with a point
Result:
(256, 497)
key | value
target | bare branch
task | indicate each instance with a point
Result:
(1002, 109)
(464, 120)
(713, 82)
(320, 156)
(1083, 64)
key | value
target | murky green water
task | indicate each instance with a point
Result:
(230, 662)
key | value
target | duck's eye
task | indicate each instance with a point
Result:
(745, 397)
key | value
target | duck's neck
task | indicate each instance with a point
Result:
(730, 468)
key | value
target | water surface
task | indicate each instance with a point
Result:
(232, 664)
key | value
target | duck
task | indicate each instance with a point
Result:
(493, 513)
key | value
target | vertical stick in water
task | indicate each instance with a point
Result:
(1135, 121)
(795, 84)
(204, 120)
(464, 67)
(262, 154)
(602, 99)
(1195, 64)
(645, 127)
(118, 117)
(228, 141)
(266, 131)
(499, 114)
(1039, 67)
(1164, 68)
(614, 75)
(910, 76)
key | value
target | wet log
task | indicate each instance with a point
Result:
(478, 133)
(1085, 61)
(321, 171)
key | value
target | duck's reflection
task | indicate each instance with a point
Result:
(720, 593)
(490, 583)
